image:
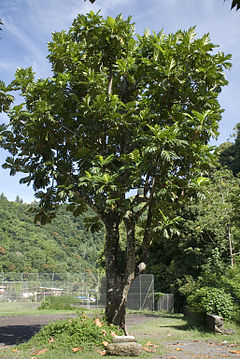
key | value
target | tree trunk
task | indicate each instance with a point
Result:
(114, 283)
(129, 274)
(230, 245)
(118, 284)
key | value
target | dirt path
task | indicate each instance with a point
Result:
(18, 329)
(198, 349)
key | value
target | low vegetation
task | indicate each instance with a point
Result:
(209, 300)
(81, 332)
(63, 302)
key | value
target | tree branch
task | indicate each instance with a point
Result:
(89, 202)
(110, 82)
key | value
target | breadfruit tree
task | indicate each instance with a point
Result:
(120, 112)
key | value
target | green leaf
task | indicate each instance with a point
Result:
(111, 22)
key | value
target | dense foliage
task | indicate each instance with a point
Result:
(204, 249)
(209, 300)
(62, 246)
(80, 332)
(229, 154)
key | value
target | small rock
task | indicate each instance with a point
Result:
(124, 349)
(228, 331)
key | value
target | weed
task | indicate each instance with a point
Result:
(81, 332)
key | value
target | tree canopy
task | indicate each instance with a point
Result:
(229, 152)
(120, 113)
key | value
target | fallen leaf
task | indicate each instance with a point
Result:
(234, 351)
(104, 344)
(197, 340)
(147, 350)
(34, 358)
(77, 349)
(51, 340)
(179, 349)
(98, 322)
(39, 352)
(102, 352)
(14, 350)
(113, 334)
(149, 344)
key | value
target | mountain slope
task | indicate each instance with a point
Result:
(62, 246)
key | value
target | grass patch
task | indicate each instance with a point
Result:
(63, 354)
(33, 308)
(18, 308)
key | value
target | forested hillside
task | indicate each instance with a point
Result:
(62, 246)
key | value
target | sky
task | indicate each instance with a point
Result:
(28, 25)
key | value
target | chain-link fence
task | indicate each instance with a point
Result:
(141, 293)
(89, 288)
(166, 303)
(22, 287)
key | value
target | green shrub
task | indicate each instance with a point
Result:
(210, 300)
(77, 332)
(236, 314)
(62, 302)
(231, 283)
(189, 285)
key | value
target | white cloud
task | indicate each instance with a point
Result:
(7, 65)
(25, 39)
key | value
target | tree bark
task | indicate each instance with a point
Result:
(230, 245)
(129, 274)
(114, 282)
(118, 284)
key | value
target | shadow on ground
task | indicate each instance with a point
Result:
(16, 334)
